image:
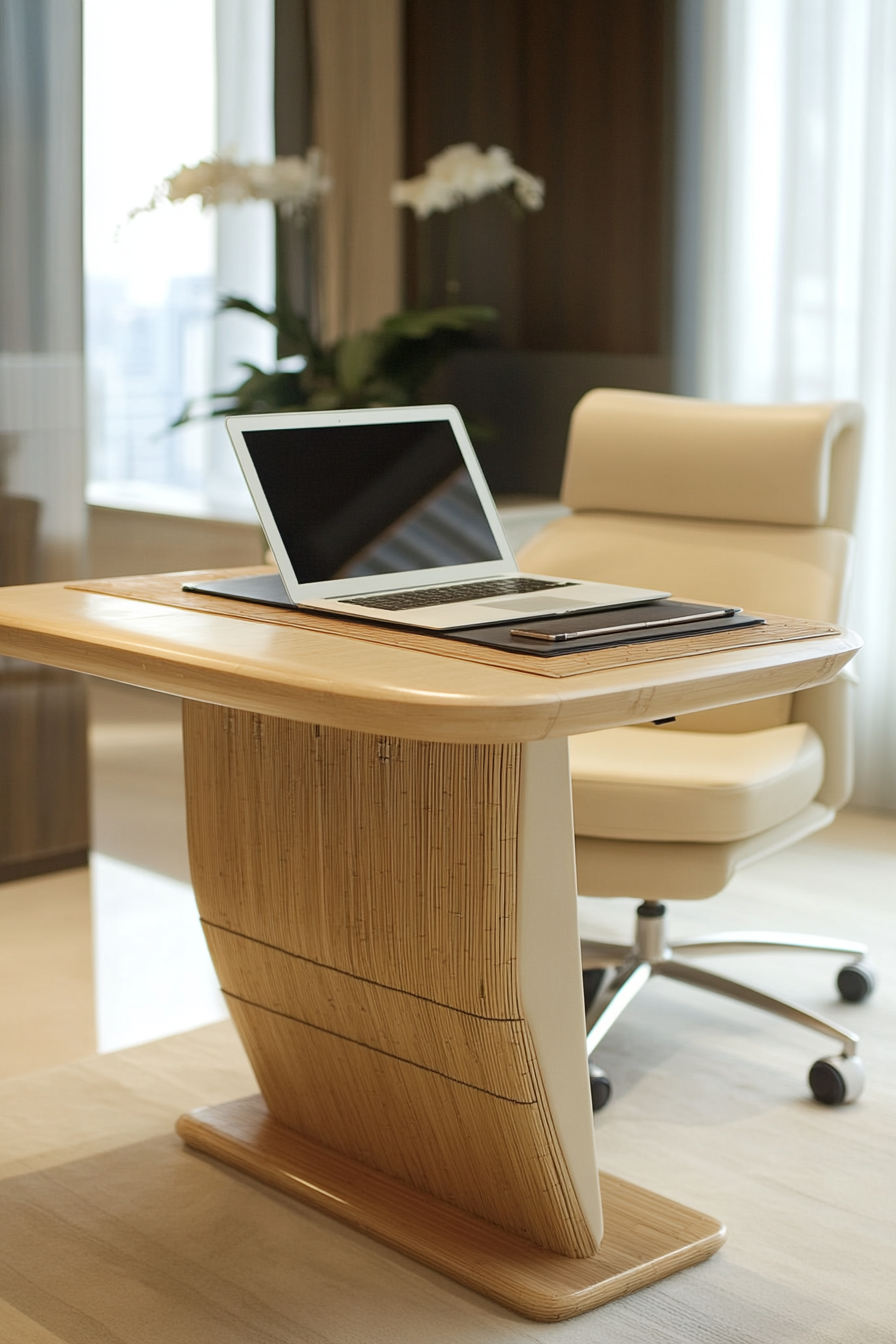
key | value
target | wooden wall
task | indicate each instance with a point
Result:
(43, 734)
(580, 92)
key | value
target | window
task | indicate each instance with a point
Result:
(167, 84)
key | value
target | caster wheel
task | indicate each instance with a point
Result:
(837, 1080)
(601, 1091)
(591, 983)
(855, 982)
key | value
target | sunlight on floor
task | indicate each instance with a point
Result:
(152, 972)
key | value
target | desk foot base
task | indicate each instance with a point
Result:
(646, 1237)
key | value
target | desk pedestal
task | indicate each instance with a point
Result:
(393, 924)
(646, 1237)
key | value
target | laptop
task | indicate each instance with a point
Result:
(385, 514)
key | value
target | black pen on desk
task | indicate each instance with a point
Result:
(624, 629)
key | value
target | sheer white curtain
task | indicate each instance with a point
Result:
(41, 363)
(244, 41)
(797, 266)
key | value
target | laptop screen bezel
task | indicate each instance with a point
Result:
(239, 425)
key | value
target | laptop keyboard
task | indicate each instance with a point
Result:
(453, 592)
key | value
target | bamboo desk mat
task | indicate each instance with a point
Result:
(167, 590)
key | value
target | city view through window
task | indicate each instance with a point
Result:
(152, 280)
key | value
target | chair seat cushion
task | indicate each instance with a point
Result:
(646, 784)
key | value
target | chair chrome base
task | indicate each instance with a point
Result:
(833, 1081)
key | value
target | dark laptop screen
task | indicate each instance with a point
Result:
(351, 500)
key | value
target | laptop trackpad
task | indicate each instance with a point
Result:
(542, 602)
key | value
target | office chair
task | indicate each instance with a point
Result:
(751, 506)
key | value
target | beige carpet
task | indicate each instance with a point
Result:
(111, 1231)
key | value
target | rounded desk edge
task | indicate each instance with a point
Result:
(253, 666)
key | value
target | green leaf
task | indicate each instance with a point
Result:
(383, 392)
(417, 323)
(293, 333)
(385, 367)
(481, 431)
(294, 336)
(328, 400)
(230, 304)
(357, 358)
(185, 416)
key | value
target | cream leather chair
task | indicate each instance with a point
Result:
(754, 507)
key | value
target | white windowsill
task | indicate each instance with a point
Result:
(522, 516)
(139, 497)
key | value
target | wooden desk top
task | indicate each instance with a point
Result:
(324, 678)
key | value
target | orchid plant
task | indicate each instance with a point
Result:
(458, 176)
(386, 366)
(295, 185)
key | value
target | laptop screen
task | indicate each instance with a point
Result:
(353, 500)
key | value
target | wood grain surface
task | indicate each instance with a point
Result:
(321, 857)
(647, 1237)
(484, 1052)
(167, 589)
(405, 852)
(326, 678)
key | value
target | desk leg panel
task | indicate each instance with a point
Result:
(394, 862)
(485, 1154)
(490, 1054)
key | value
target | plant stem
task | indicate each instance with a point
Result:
(313, 287)
(424, 264)
(452, 262)
(281, 272)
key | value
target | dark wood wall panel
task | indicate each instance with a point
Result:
(578, 90)
(44, 822)
(462, 80)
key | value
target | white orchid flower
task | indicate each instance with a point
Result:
(292, 183)
(464, 173)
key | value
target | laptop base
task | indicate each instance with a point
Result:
(268, 590)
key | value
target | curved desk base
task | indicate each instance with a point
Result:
(646, 1237)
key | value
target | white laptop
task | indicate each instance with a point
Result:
(385, 514)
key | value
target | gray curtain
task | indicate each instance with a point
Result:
(41, 323)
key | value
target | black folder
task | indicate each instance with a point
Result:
(607, 622)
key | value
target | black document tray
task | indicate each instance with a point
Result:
(268, 590)
(500, 636)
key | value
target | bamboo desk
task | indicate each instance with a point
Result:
(381, 842)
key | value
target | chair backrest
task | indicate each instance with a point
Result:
(749, 505)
